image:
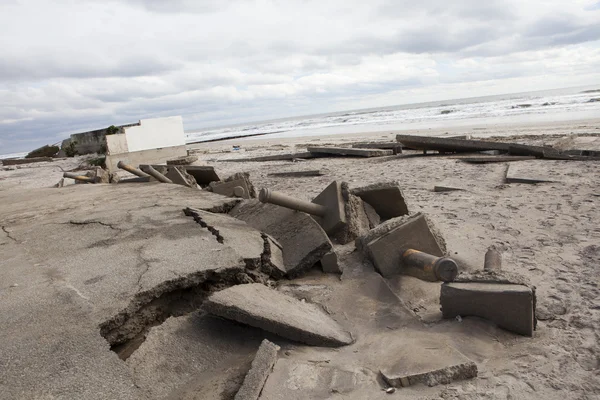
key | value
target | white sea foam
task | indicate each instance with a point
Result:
(538, 106)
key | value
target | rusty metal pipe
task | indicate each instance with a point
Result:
(493, 260)
(132, 170)
(283, 200)
(155, 174)
(81, 178)
(428, 267)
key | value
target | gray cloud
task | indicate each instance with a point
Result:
(82, 65)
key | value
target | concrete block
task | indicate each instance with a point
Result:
(259, 306)
(429, 360)
(344, 151)
(510, 306)
(386, 198)
(383, 243)
(102, 175)
(303, 241)
(261, 367)
(330, 264)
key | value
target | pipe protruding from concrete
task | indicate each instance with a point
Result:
(81, 178)
(493, 260)
(155, 174)
(428, 267)
(132, 170)
(283, 200)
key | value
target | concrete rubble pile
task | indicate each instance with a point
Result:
(240, 306)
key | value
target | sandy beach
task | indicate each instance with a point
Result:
(548, 232)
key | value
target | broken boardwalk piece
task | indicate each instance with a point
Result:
(259, 306)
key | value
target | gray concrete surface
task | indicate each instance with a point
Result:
(303, 241)
(261, 367)
(86, 260)
(259, 306)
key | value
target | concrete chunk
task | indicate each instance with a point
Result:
(184, 160)
(180, 177)
(257, 305)
(229, 188)
(386, 198)
(303, 241)
(202, 173)
(344, 151)
(394, 146)
(383, 243)
(449, 145)
(262, 365)
(510, 306)
(429, 360)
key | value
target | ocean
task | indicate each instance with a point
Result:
(541, 106)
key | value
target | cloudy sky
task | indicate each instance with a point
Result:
(73, 65)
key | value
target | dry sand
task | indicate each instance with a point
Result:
(549, 232)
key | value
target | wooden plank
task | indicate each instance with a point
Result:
(344, 151)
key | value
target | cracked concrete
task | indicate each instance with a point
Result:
(138, 259)
(8, 235)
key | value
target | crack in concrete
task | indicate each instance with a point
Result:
(191, 213)
(73, 222)
(8, 233)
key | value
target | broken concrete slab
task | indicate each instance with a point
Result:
(101, 175)
(297, 174)
(151, 257)
(262, 365)
(394, 146)
(428, 360)
(329, 263)
(449, 145)
(257, 305)
(303, 241)
(385, 197)
(295, 380)
(383, 243)
(203, 174)
(353, 152)
(522, 173)
(184, 160)
(182, 358)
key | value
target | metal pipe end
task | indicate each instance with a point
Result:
(446, 269)
(120, 164)
(264, 195)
